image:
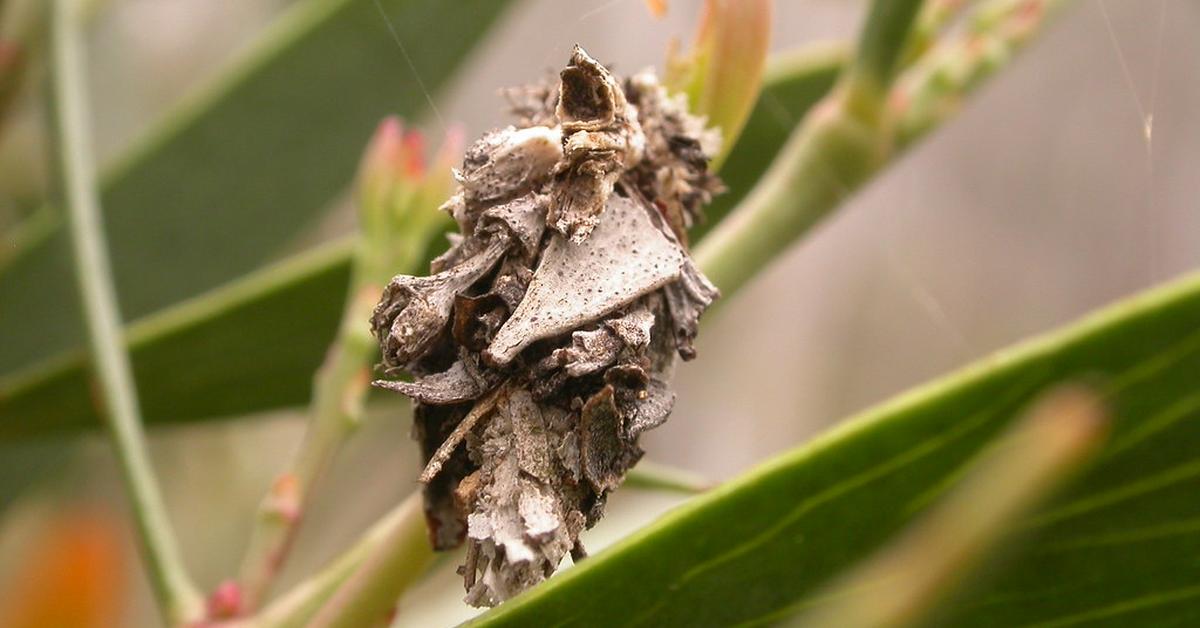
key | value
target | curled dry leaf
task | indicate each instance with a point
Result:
(544, 342)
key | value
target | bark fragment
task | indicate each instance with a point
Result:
(543, 345)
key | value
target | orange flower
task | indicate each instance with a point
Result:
(71, 576)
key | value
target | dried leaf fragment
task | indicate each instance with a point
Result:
(625, 258)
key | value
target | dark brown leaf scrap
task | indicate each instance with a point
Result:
(544, 342)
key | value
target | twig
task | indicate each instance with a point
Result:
(867, 120)
(398, 219)
(838, 146)
(395, 562)
(178, 598)
(443, 453)
(301, 603)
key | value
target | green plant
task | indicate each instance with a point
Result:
(764, 548)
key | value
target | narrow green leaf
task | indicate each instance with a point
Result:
(254, 344)
(1119, 544)
(231, 176)
(906, 581)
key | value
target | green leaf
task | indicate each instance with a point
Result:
(1118, 545)
(230, 177)
(253, 345)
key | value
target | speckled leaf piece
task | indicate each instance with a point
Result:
(623, 259)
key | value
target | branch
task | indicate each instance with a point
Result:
(399, 558)
(178, 598)
(869, 118)
(881, 45)
(840, 144)
(398, 216)
(403, 522)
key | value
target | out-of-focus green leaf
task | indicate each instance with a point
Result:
(908, 581)
(1118, 547)
(250, 346)
(255, 344)
(231, 176)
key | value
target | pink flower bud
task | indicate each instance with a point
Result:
(225, 602)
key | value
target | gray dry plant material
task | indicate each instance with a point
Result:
(542, 345)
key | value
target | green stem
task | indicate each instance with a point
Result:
(861, 124)
(339, 393)
(398, 560)
(881, 45)
(299, 605)
(178, 598)
(842, 142)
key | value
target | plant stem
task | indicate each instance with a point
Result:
(299, 605)
(396, 561)
(339, 393)
(178, 598)
(868, 119)
(398, 219)
(838, 146)
(824, 160)
(881, 45)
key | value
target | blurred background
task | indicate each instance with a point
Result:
(1071, 179)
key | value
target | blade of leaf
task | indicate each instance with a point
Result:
(254, 344)
(233, 174)
(905, 581)
(249, 346)
(1115, 544)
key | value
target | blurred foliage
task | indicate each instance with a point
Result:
(245, 164)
